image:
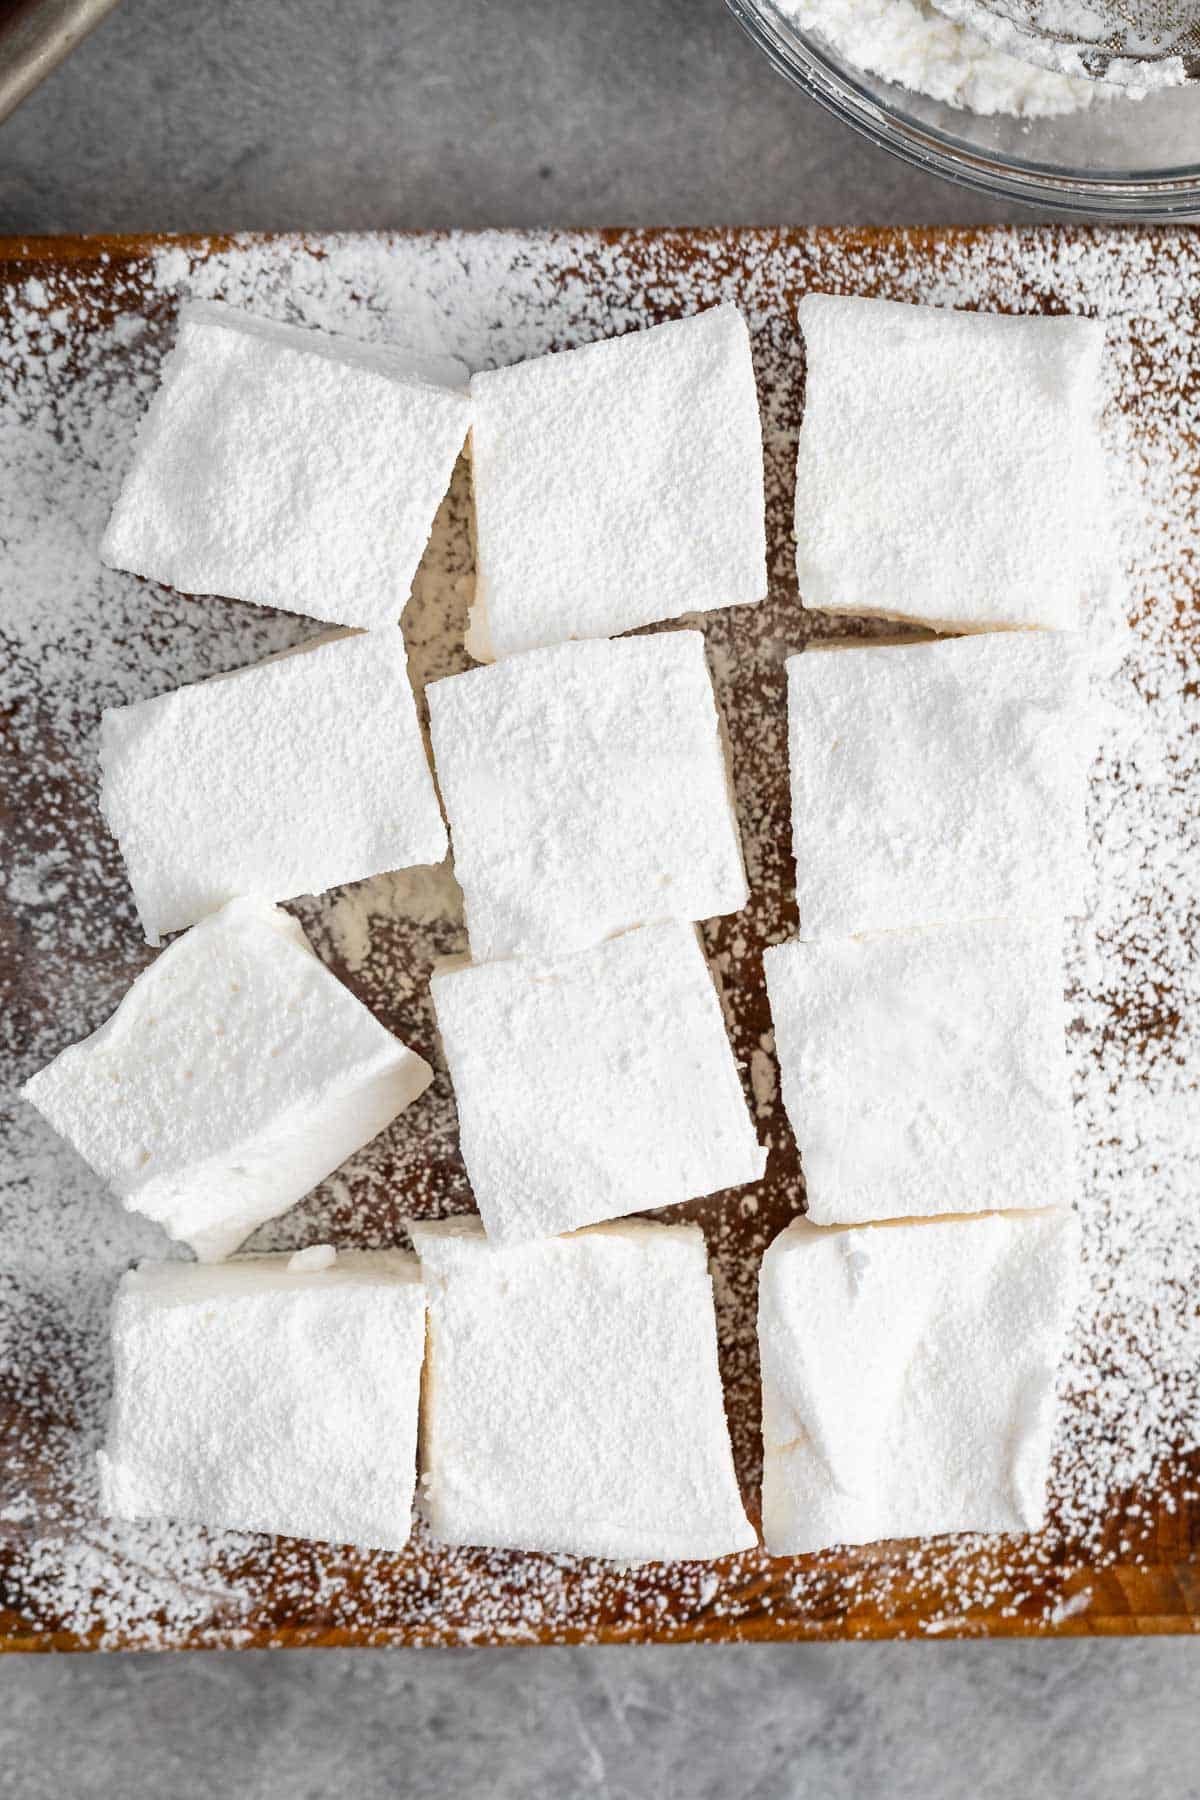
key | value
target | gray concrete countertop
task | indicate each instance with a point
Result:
(254, 114)
(932, 1721)
(244, 114)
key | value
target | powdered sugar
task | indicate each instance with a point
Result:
(78, 637)
(936, 782)
(425, 896)
(912, 43)
(947, 471)
(594, 1085)
(235, 1074)
(616, 485)
(288, 778)
(572, 1399)
(261, 1395)
(283, 467)
(909, 1373)
(1075, 36)
(587, 790)
(925, 1071)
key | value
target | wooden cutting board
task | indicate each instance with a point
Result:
(82, 326)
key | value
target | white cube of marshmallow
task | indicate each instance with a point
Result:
(594, 1085)
(909, 1376)
(289, 467)
(587, 791)
(279, 780)
(936, 782)
(236, 1073)
(617, 484)
(572, 1397)
(950, 468)
(288, 778)
(258, 1396)
(925, 1071)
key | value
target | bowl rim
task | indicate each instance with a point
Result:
(1166, 194)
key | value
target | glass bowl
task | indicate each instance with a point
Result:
(1117, 159)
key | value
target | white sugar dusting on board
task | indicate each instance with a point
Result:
(423, 895)
(74, 376)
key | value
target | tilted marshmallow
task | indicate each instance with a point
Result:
(572, 1397)
(926, 1071)
(236, 1073)
(594, 1085)
(587, 791)
(909, 1376)
(617, 484)
(258, 1396)
(288, 778)
(950, 469)
(937, 782)
(289, 467)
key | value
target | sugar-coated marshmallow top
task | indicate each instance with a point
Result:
(909, 1375)
(936, 782)
(288, 467)
(288, 778)
(950, 468)
(573, 1400)
(617, 484)
(588, 791)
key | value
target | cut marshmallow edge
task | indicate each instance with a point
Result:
(400, 361)
(236, 1073)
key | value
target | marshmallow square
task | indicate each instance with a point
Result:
(289, 467)
(938, 782)
(617, 484)
(587, 790)
(268, 1394)
(594, 1085)
(925, 1071)
(950, 470)
(236, 1073)
(909, 1376)
(572, 1396)
(288, 778)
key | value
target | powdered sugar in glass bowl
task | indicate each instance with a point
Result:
(983, 119)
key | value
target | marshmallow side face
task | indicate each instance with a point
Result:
(248, 1397)
(594, 1085)
(949, 468)
(297, 474)
(925, 1071)
(588, 791)
(933, 783)
(617, 484)
(236, 1073)
(572, 1397)
(909, 1376)
(288, 778)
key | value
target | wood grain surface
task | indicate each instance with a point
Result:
(1140, 1574)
